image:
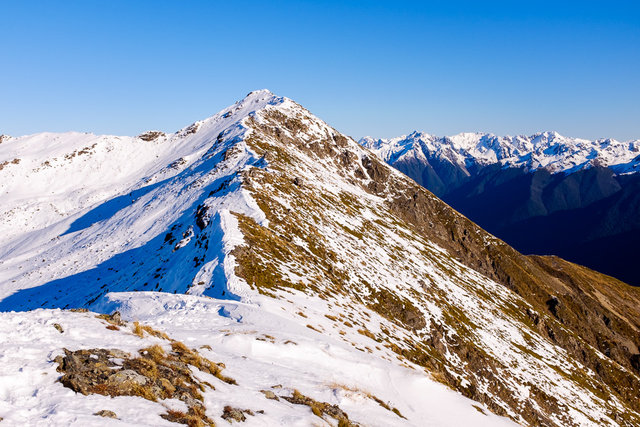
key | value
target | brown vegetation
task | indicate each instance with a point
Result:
(153, 375)
(320, 409)
(592, 311)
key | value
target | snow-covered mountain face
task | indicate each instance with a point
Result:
(547, 150)
(543, 194)
(303, 263)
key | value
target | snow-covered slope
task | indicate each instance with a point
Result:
(305, 264)
(548, 150)
(117, 201)
(261, 349)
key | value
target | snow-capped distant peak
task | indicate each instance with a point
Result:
(544, 150)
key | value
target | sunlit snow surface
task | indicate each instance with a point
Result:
(293, 357)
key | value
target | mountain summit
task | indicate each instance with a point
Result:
(304, 261)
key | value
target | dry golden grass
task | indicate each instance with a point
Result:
(140, 329)
(356, 390)
(320, 409)
(155, 333)
(366, 333)
(192, 357)
(193, 418)
(137, 330)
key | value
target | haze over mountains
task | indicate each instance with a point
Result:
(284, 275)
(543, 194)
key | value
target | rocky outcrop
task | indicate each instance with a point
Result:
(151, 135)
(153, 374)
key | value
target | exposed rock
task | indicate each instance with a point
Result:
(127, 377)
(191, 129)
(107, 414)
(7, 162)
(58, 327)
(114, 318)
(269, 394)
(234, 414)
(348, 158)
(396, 308)
(178, 163)
(151, 135)
(552, 304)
(153, 375)
(202, 216)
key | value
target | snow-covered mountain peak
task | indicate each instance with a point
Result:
(253, 102)
(249, 105)
(72, 171)
(264, 211)
(548, 150)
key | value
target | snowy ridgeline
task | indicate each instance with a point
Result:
(547, 150)
(86, 220)
(83, 215)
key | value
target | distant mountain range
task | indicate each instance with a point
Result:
(543, 194)
(260, 266)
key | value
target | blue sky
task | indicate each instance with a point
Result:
(367, 68)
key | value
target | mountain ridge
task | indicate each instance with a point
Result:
(548, 150)
(273, 207)
(522, 188)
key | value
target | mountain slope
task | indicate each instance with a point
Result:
(266, 351)
(520, 188)
(266, 204)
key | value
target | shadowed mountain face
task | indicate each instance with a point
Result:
(266, 203)
(588, 214)
(590, 217)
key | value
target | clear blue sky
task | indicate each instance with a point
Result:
(367, 68)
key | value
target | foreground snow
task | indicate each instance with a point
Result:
(261, 349)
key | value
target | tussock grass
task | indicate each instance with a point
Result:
(320, 409)
(368, 395)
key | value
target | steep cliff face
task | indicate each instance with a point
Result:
(267, 205)
(544, 194)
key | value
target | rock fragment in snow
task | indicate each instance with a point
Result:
(107, 414)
